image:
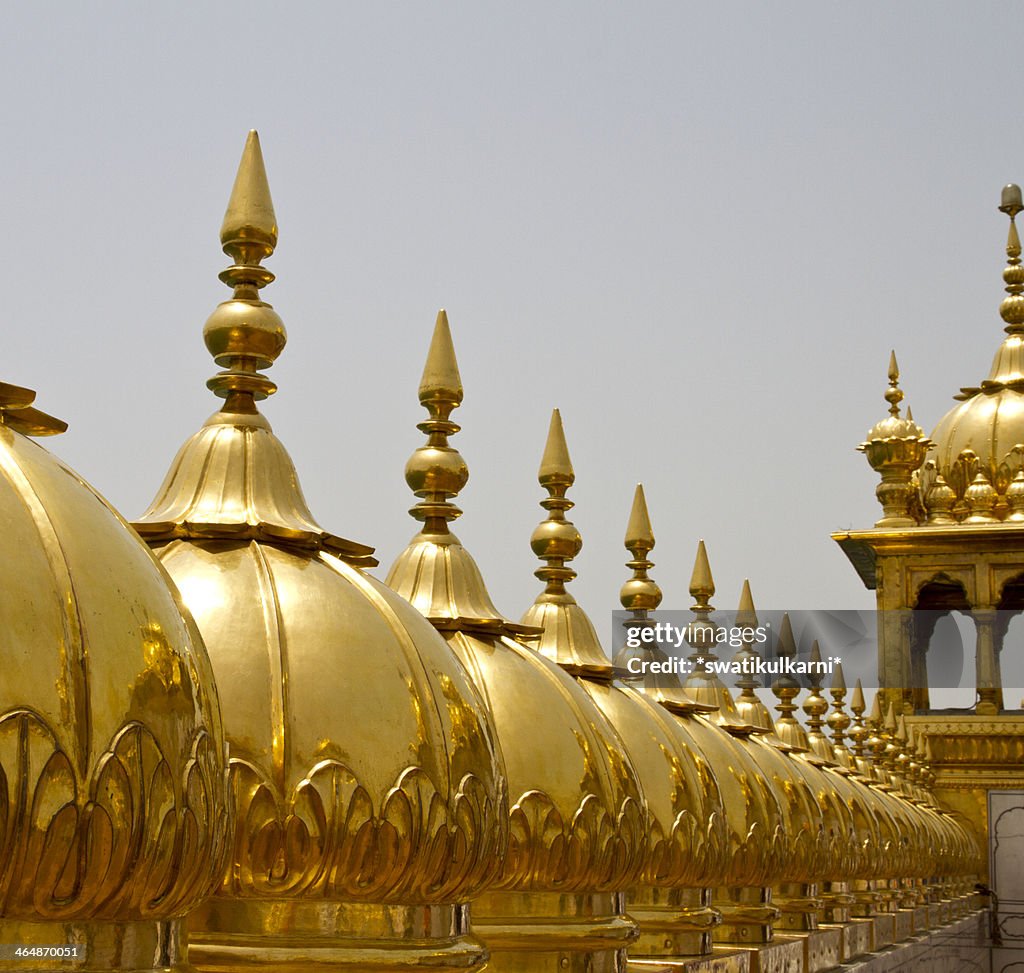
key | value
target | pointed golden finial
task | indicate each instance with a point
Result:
(249, 231)
(441, 378)
(639, 533)
(859, 733)
(875, 716)
(857, 699)
(890, 720)
(555, 465)
(785, 689)
(568, 636)
(556, 540)
(700, 633)
(838, 719)
(816, 706)
(1012, 308)
(640, 594)
(748, 704)
(745, 613)
(437, 471)
(245, 334)
(702, 585)
(894, 394)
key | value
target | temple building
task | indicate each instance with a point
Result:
(226, 745)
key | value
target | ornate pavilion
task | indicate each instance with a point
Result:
(226, 746)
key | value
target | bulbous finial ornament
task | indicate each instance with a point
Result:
(437, 471)
(1012, 308)
(894, 394)
(556, 539)
(245, 334)
(640, 594)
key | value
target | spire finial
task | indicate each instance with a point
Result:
(244, 334)
(556, 540)
(437, 471)
(249, 231)
(749, 706)
(815, 706)
(894, 394)
(702, 585)
(858, 732)
(441, 380)
(785, 688)
(838, 719)
(1012, 308)
(568, 636)
(555, 465)
(640, 594)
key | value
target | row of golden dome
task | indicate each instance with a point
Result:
(971, 470)
(380, 776)
(582, 789)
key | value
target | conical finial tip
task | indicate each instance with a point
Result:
(249, 231)
(745, 612)
(894, 368)
(555, 463)
(639, 531)
(441, 378)
(701, 581)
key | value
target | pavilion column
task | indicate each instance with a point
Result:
(989, 685)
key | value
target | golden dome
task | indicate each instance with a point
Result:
(112, 786)
(363, 765)
(754, 819)
(578, 816)
(980, 441)
(688, 841)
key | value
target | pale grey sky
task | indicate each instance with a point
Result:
(695, 228)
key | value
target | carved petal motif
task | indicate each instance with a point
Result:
(328, 841)
(145, 837)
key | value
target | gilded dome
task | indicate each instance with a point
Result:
(112, 770)
(688, 842)
(688, 839)
(578, 818)
(983, 434)
(363, 765)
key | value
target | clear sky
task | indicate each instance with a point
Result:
(696, 228)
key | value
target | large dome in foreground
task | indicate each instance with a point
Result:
(368, 788)
(112, 796)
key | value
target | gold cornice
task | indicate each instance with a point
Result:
(863, 547)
